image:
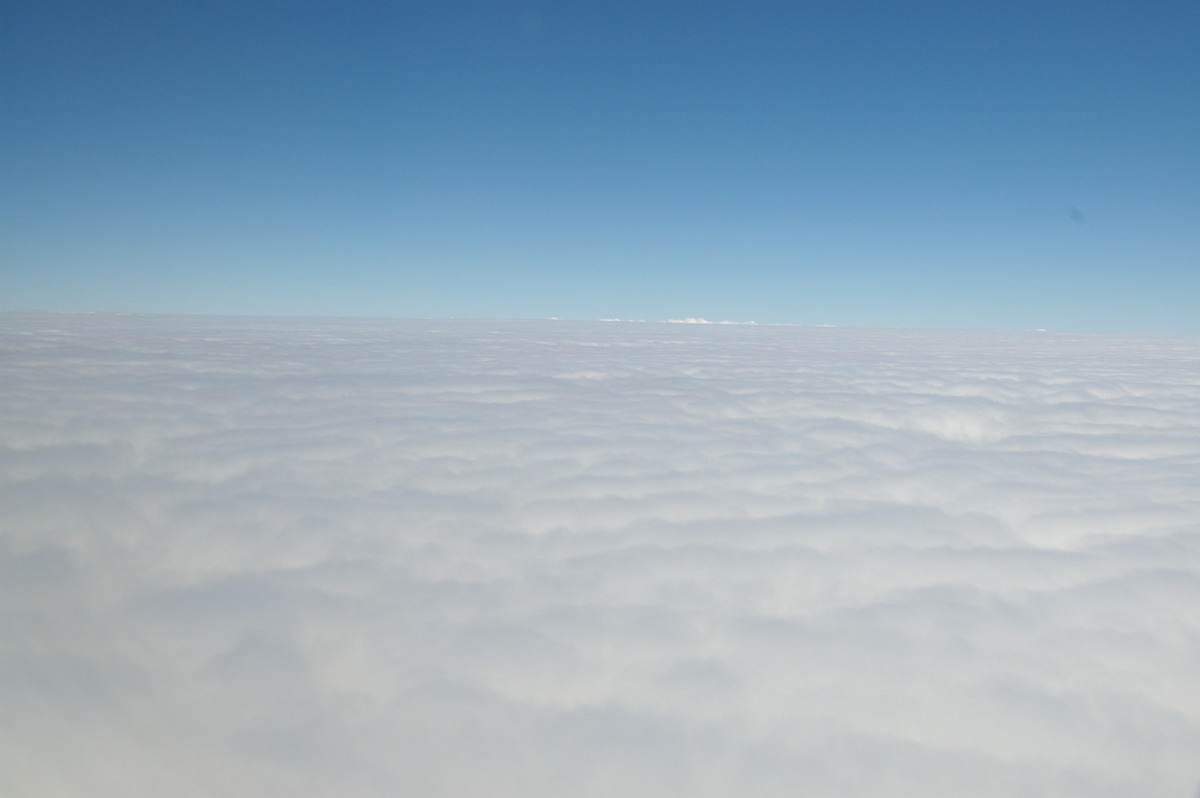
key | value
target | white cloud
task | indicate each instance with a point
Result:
(696, 320)
(361, 558)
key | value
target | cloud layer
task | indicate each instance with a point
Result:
(460, 558)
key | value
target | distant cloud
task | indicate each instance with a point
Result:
(691, 320)
(369, 558)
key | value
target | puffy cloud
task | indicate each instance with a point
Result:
(367, 558)
(697, 320)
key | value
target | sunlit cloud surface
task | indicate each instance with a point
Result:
(458, 558)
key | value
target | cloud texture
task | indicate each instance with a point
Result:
(465, 558)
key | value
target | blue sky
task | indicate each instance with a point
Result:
(917, 164)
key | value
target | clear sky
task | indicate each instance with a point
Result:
(919, 164)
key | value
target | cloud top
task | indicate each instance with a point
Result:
(544, 558)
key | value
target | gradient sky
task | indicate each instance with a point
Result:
(919, 164)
